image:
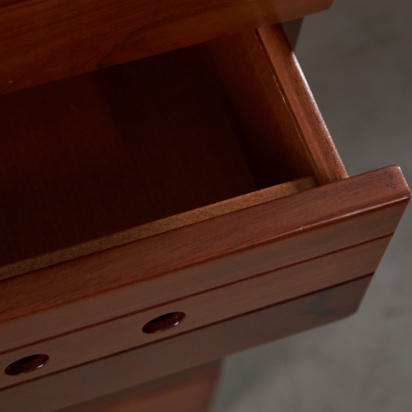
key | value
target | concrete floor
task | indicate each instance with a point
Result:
(357, 57)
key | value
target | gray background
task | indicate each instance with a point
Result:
(357, 58)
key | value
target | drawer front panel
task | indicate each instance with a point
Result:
(69, 38)
(197, 258)
(200, 310)
(184, 351)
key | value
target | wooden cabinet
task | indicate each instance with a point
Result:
(162, 213)
(47, 40)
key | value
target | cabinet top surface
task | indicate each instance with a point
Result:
(55, 39)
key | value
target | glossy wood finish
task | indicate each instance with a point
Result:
(167, 186)
(106, 152)
(187, 350)
(160, 226)
(103, 153)
(187, 391)
(265, 59)
(47, 40)
(196, 258)
(200, 310)
(309, 121)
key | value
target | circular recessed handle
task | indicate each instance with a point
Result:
(164, 322)
(26, 365)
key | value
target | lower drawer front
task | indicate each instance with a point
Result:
(187, 350)
(197, 311)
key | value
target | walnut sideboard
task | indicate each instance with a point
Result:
(169, 195)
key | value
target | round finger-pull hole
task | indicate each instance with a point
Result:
(26, 365)
(164, 322)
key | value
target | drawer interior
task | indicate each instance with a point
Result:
(104, 152)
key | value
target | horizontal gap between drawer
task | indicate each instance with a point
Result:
(209, 307)
(230, 336)
(367, 215)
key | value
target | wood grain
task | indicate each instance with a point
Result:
(99, 154)
(47, 40)
(199, 257)
(158, 226)
(184, 351)
(102, 153)
(308, 119)
(266, 63)
(200, 310)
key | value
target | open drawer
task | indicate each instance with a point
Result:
(187, 178)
